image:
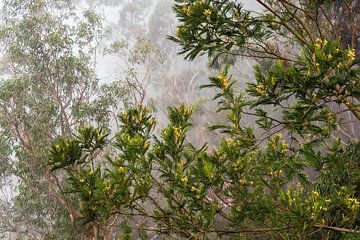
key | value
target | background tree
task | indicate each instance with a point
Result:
(48, 89)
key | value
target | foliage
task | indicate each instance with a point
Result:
(48, 89)
(297, 179)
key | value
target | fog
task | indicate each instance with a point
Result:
(68, 65)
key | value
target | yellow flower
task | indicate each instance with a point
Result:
(178, 133)
(207, 12)
(314, 57)
(285, 147)
(318, 43)
(352, 203)
(242, 181)
(223, 80)
(351, 54)
(236, 15)
(126, 115)
(260, 89)
(279, 135)
(178, 31)
(316, 194)
(82, 180)
(140, 117)
(276, 174)
(194, 189)
(184, 7)
(188, 13)
(184, 179)
(188, 111)
(229, 141)
(121, 169)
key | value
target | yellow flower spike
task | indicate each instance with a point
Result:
(318, 43)
(261, 89)
(279, 135)
(236, 15)
(184, 7)
(351, 54)
(126, 116)
(277, 174)
(223, 80)
(146, 145)
(184, 179)
(329, 57)
(188, 12)
(207, 13)
(347, 101)
(229, 141)
(194, 189)
(337, 50)
(82, 180)
(178, 134)
(242, 181)
(316, 194)
(121, 169)
(189, 111)
(285, 147)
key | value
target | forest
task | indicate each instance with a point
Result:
(180, 119)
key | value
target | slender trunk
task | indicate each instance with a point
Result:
(95, 232)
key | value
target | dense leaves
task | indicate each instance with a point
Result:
(294, 175)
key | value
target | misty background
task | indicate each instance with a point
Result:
(132, 49)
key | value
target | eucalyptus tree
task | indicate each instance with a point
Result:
(48, 88)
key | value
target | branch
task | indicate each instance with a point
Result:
(338, 229)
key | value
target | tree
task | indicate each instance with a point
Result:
(48, 89)
(250, 186)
